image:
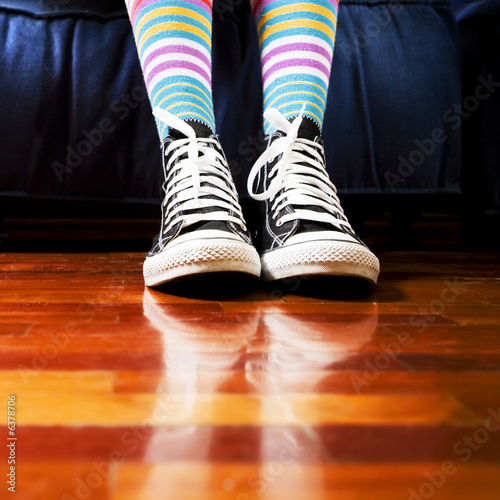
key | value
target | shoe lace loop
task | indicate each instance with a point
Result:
(199, 180)
(282, 146)
(298, 178)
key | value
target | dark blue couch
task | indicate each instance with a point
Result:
(76, 123)
(479, 24)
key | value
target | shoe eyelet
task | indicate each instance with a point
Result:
(279, 223)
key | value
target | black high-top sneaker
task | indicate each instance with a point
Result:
(202, 227)
(303, 229)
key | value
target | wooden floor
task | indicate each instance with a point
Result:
(312, 391)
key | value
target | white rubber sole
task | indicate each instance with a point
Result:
(199, 257)
(320, 258)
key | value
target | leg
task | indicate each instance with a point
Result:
(296, 40)
(202, 229)
(304, 229)
(174, 41)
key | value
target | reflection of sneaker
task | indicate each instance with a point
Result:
(198, 351)
(317, 341)
(202, 228)
(300, 347)
(304, 229)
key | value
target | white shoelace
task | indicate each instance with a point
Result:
(302, 177)
(202, 165)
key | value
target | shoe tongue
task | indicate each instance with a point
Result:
(200, 128)
(308, 129)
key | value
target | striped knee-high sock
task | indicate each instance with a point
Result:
(296, 39)
(174, 41)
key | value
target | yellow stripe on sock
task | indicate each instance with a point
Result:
(190, 104)
(161, 27)
(173, 11)
(295, 84)
(320, 120)
(295, 24)
(182, 84)
(298, 7)
(198, 98)
(297, 92)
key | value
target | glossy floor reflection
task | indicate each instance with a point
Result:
(127, 393)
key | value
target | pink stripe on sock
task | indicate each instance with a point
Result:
(179, 49)
(259, 5)
(180, 65)
(296, 62)
(309, 47)
(206, 5)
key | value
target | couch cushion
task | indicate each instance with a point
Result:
(480, 35)
(103, 9)
(76, 122)
(389, 123)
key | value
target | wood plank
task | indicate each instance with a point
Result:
(188, 408)
(298, 482)
(339, 443)
(201, 394)
(251, 481)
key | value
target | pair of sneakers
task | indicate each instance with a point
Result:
(303, 229)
